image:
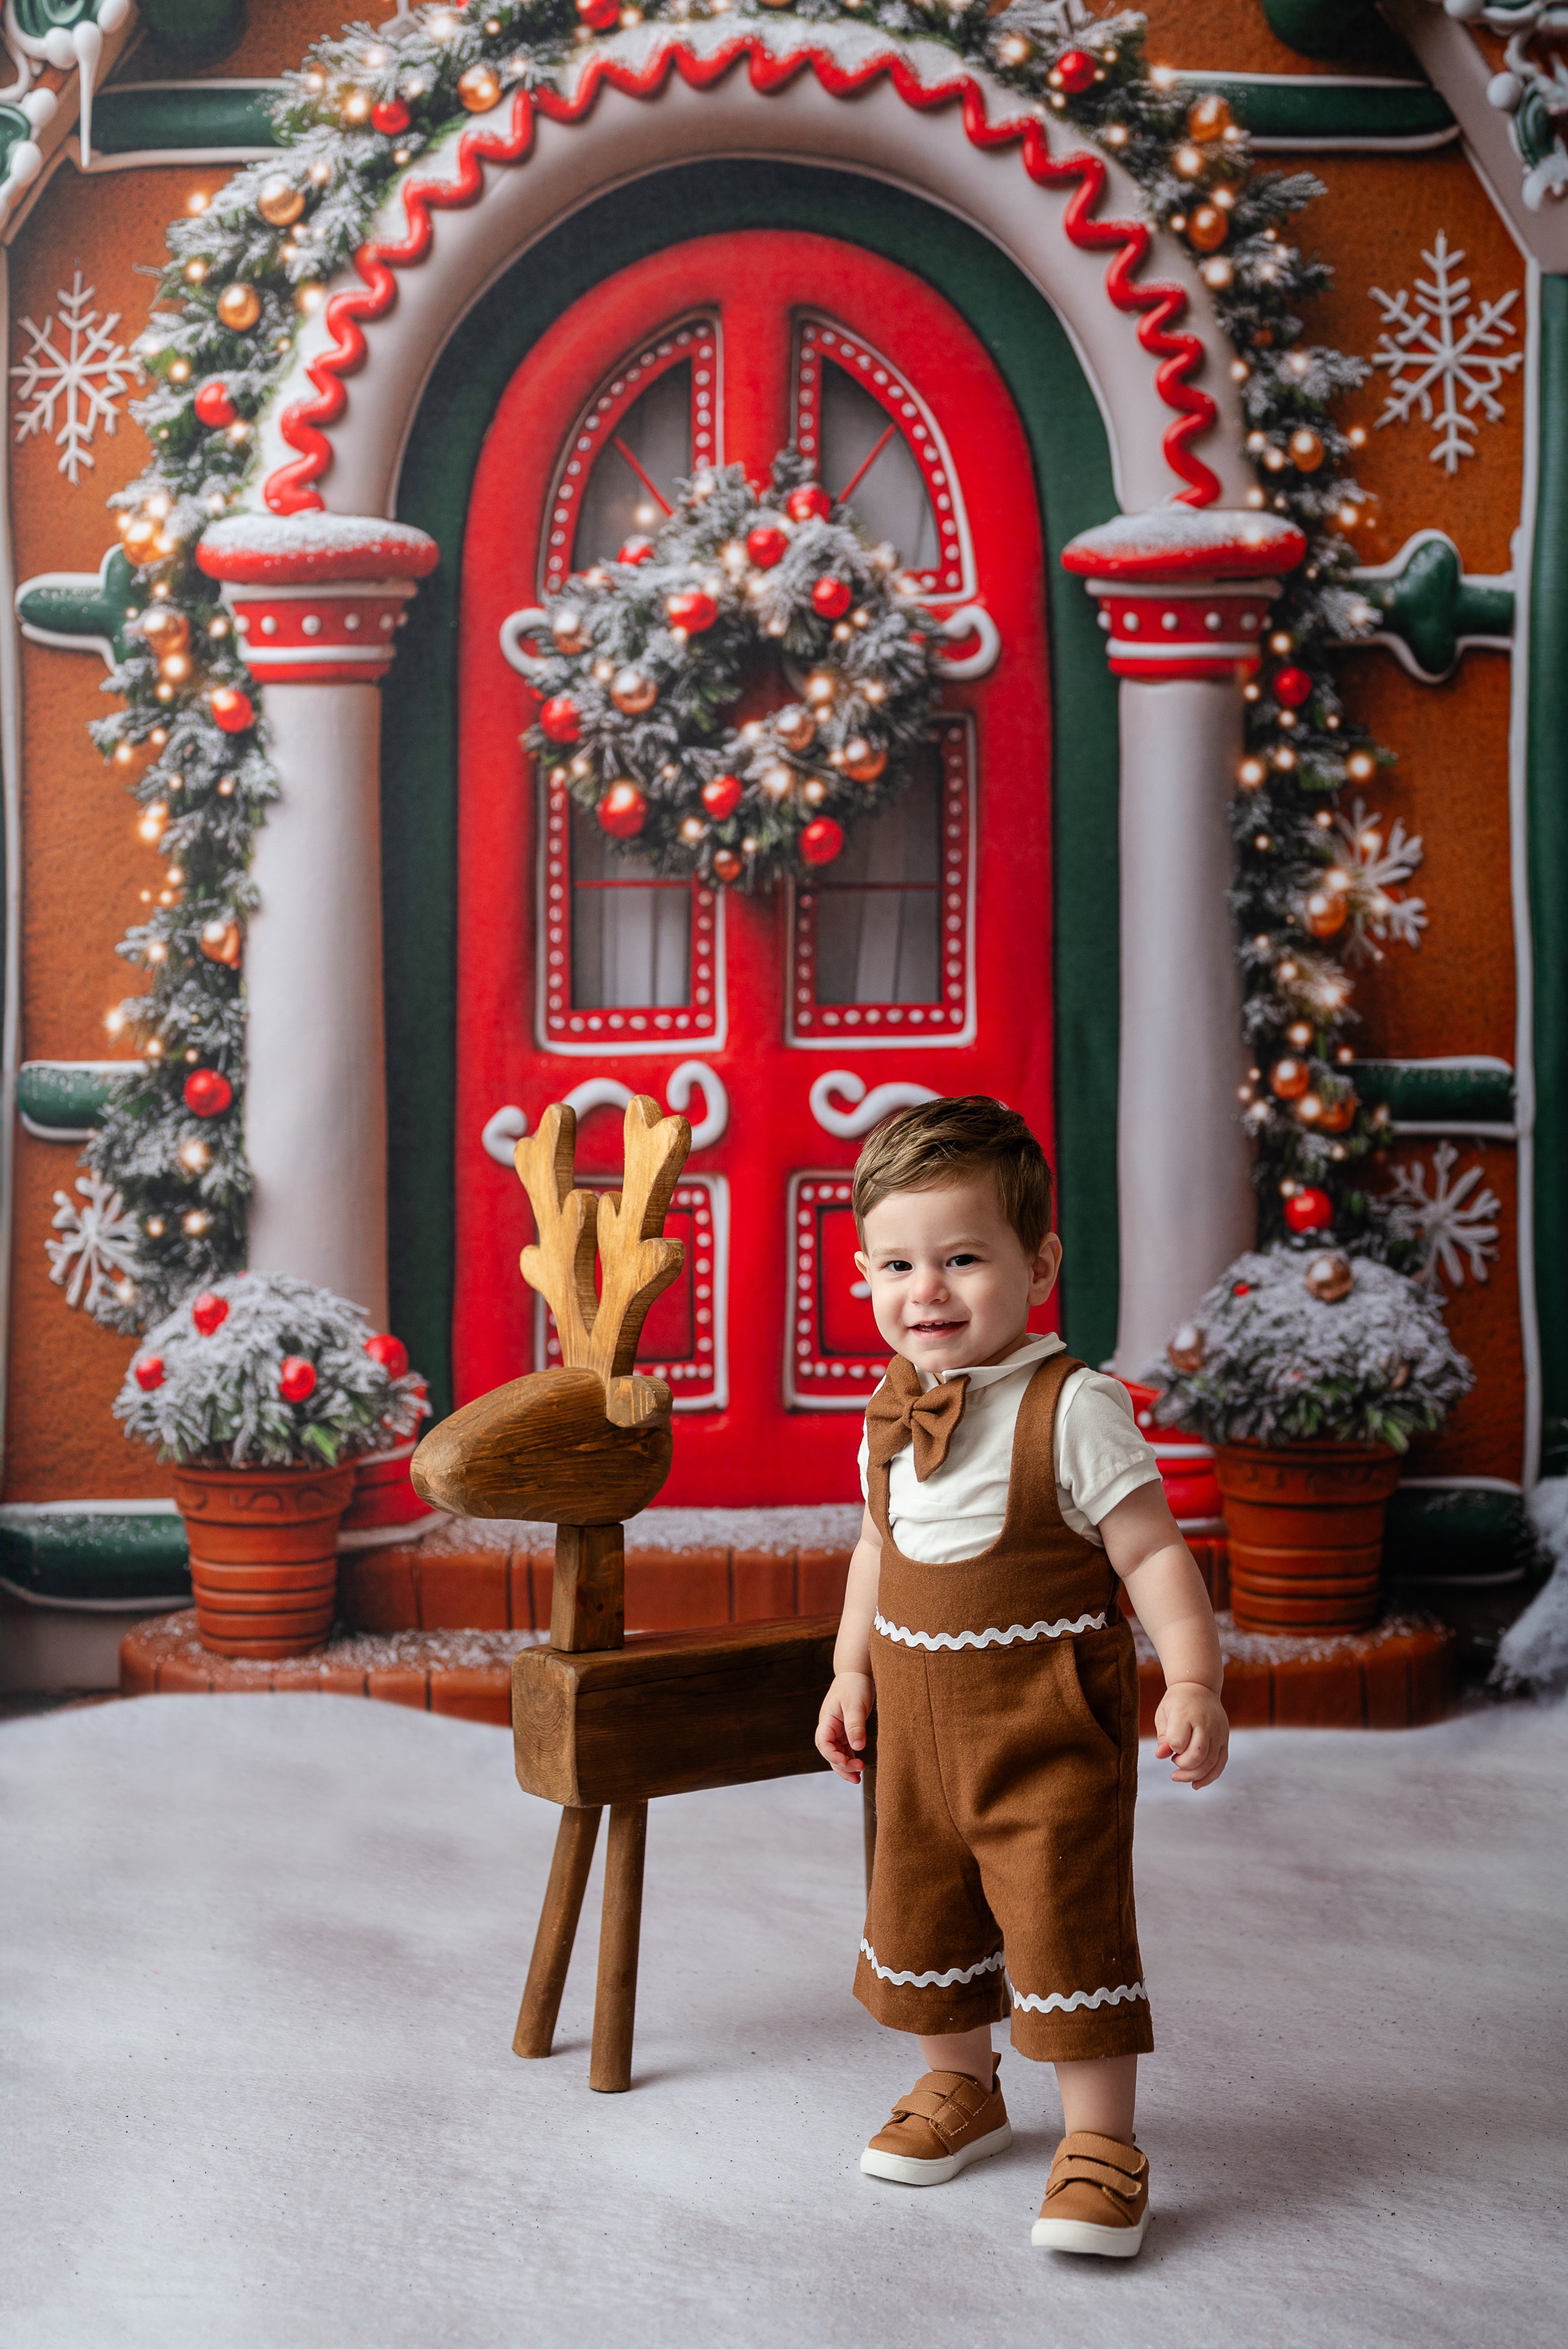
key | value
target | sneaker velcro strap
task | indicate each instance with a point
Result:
(1083, 2168)
(920, 2104)
(1104, 2149)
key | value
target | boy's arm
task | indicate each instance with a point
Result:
(847, 1707)
(1144, 1545)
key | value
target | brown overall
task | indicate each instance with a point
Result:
(1006, 1771)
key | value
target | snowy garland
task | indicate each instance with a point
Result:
(245, 267)
(1288, 1349)
(652, 651)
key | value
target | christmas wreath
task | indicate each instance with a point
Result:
(1314, 888)
(740, 590)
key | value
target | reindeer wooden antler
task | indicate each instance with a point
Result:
(561, 1264)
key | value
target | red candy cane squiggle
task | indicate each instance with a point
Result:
(292, 488)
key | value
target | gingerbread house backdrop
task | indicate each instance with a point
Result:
(928, 250)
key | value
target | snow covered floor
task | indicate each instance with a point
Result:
(262, 1962)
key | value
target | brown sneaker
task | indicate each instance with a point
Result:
(946, 2121)
(1097, 2198)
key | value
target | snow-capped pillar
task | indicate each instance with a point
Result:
(1184, 598)
(318, 601)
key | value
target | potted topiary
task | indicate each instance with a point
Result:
(1309, 1372)
(262, 1391)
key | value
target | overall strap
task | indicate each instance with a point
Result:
(1032, 1494)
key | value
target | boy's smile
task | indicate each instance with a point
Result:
(950, 1284)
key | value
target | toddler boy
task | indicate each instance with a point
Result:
(1006, 1489)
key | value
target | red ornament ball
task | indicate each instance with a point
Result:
(296, 1379)
(213, 405)
(1241, 1289)
(1074, 70)
(149, 1373)
(767, 544)
(389, 1352)
(692, 609)
(232, 710)
(559, 720)
(726, 866)
(1292, 687)
(599, 15)
(635, 550)
(721, 796)
(822, 839)
(208, 1312)
(809, 502)
(832, 597)
(1309, 1209)
(207, 1092)
(389, 115)
(622, 811)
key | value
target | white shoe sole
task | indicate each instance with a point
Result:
(1083, 2235)
(904, 2171)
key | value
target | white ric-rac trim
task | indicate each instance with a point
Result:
(1015, 1631)
(932, 1981)
(1054, 2002)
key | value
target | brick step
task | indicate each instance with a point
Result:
(1399, 1675)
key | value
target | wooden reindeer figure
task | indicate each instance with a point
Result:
(595, 1723)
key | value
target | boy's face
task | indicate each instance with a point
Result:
(950, 1284)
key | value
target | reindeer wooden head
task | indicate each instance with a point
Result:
(588, 1444)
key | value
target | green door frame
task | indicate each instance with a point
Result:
(1074, 485)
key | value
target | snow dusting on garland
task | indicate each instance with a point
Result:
(1314, 887)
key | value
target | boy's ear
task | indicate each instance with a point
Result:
(1047, 1265)
(862, 1264)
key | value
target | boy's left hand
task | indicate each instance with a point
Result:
(1193, 1733)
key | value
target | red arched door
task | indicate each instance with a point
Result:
(782, 1024)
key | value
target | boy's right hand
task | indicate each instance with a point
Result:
(842, 1723)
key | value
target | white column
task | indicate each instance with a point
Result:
(1186, 1204)
(315, 1091)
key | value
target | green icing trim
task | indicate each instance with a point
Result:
(1073, 479)
(145, 118)
(97, 1553)
(1289, 107)
(1455, 1533)
(1428, 1092)
(1435, 611)
(1350, 30)
(1546, 803)
(94, 608)
(196, 32)
(62, 1099)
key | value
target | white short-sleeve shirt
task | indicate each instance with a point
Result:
(1099, 1458)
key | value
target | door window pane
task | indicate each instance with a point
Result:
(631, 932)
(878, 917)
(652, 440)
(888, 496)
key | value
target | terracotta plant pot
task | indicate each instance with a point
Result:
(264, 1554)
(1305, 1524)
(383, 1493)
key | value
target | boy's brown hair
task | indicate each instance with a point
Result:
(942, 1141)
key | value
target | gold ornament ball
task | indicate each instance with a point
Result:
(479, 88)
(1207, 118)
(726, 866)
(1288, 1079)
(1207, 228)
(239, 308)
(631, 692)
(1306, 450)
(795, 727)
(566, 627)
(1186, 1351)
(1338, 1116)
(279, 201)
(1329, 1277)
(220, 942)
(1327, 913)
(165, 629)
(864, 760)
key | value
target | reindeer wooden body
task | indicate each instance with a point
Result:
(596, 1723)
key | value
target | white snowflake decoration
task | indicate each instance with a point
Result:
(76, 366)
(1376, 867)
(98, 1250)
(1435, 353)
(1448, 1220)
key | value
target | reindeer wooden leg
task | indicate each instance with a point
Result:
(616, 2004)
(869, 1819)
(574, 1841)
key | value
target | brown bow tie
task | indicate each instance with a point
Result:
(902, 1411)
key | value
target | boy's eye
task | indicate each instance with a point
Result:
(896, 1264)
(964, 1259)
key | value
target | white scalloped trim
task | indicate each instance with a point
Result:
(1054, 2002)
(934, 1980)
(1016, 1631)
